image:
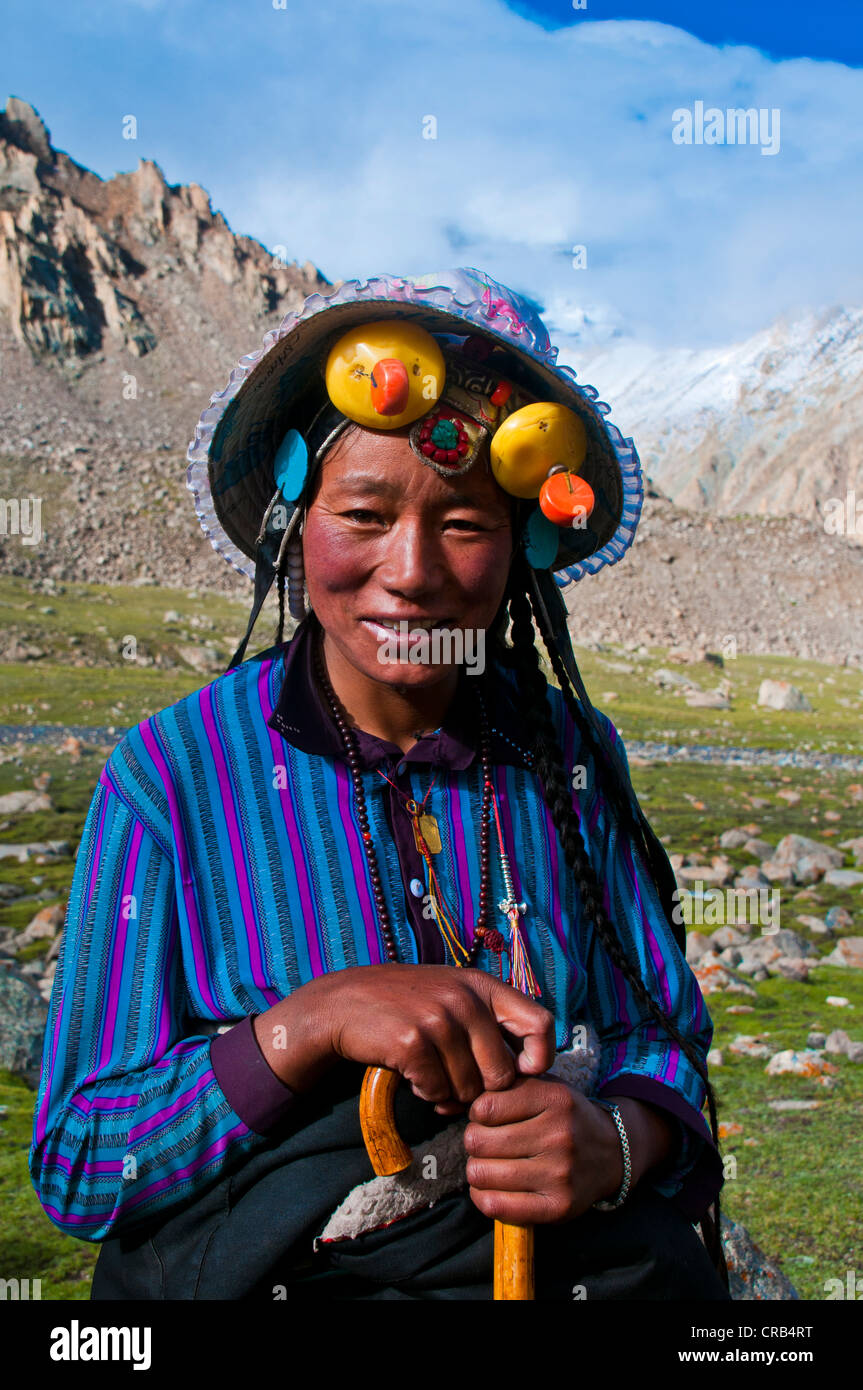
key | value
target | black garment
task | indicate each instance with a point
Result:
(251, 1235)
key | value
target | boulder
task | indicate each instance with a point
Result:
(23, 1015)
(732, 839)
(843, 878)
(848, 951)
(24, 803)
(806, 1062)
(752, 1277)
(782, 695)
(794, 847)
(759, 848)
(748, 1045)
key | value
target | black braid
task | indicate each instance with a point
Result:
(548, 755)
(280, 581)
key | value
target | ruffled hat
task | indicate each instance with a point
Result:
(237, 460)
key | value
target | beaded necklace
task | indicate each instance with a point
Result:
(425, 828)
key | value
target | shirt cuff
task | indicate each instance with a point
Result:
(699, 1186)
(250, 1085)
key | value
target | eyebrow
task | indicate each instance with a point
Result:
(379, 487)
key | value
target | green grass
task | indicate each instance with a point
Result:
(798, 1186)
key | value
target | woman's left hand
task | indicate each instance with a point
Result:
(542, 1152)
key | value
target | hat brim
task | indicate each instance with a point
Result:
(270, 391)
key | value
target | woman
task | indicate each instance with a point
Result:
(278, 874)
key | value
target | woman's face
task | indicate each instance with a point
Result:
(387, 539)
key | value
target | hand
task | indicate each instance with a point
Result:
(442, 1029)
(540, 1152)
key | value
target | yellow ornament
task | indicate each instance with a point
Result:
(532, 441)
(386, 374)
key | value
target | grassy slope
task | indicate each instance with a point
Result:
(798, 1185)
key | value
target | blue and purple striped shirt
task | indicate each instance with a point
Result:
(221, 867)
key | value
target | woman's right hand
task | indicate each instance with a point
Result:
(440, 1027)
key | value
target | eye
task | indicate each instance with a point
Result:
(465, 521)
(363, 513)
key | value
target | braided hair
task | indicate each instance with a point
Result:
(548, 760)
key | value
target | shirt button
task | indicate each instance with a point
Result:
(417, 888)
(401, 769)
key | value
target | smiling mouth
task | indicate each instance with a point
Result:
(408, 624)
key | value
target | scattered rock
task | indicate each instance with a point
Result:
(848, 952)
(815, 924)
(759, 848)
(805, 1062)
(816, 1040)
(697, 945)
(794, 1104)
(752, 1277)
(782, 695)
(794, 847)
(839, 1044)
(24, 803)
(746, 1045)
(46, 923)
(839, 919)
(838, 1001)
(843, 878)
(732, 839)
(714, 1057)
(23, 1015)
(855, 846)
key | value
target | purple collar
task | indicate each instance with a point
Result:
(303, 718)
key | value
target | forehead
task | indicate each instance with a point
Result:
(384, 464)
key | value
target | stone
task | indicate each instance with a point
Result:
(805, 1062)
(750, 877)
(838, 1001)
(747, 1045)
(791, 969)
(839, 919)
(697, 944)
(46, 923)
(793, 1105)
(794, 847)
(714, 1057)
(23, 1015)
(206, 659)
(24, 803)
(752, 1277)
(727, 936)
(767, 951)
(741, 1009)
(732, 839)
(816, 1040)
(843, 878)
(782, 695)
(707, 699)
(809, 869)
(730, 956)
(759, 848)
(815, 924)
(855, 846)
(704, 873)
(847, 952)
(777, 872)
(839, 1043)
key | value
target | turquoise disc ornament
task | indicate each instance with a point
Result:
(541, 538)
(291, 465)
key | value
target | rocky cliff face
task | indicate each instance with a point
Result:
(86, 264)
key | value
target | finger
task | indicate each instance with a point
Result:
(453, 1043)
(423, 1068)
(520, 1208)
(494, 1059)
(524, 1019)
(525, 1175)
(526, 1097)
(529, 1139)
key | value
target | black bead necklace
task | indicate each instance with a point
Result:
(483, 935)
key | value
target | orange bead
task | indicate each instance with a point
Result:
(390, 386)
(565, 496)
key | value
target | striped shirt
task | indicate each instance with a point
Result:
(221, 867)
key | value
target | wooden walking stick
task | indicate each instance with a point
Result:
(389, 1154)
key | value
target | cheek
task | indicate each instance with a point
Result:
(329, 562)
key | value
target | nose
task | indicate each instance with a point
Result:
(414, 562)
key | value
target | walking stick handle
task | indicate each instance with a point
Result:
(389, 1154)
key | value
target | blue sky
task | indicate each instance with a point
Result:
(554, 130)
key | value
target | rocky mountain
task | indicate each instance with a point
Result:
(773, 425)
(125, 302)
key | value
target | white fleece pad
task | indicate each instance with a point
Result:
(438, 1166)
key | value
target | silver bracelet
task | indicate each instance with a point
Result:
(627, 1164)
